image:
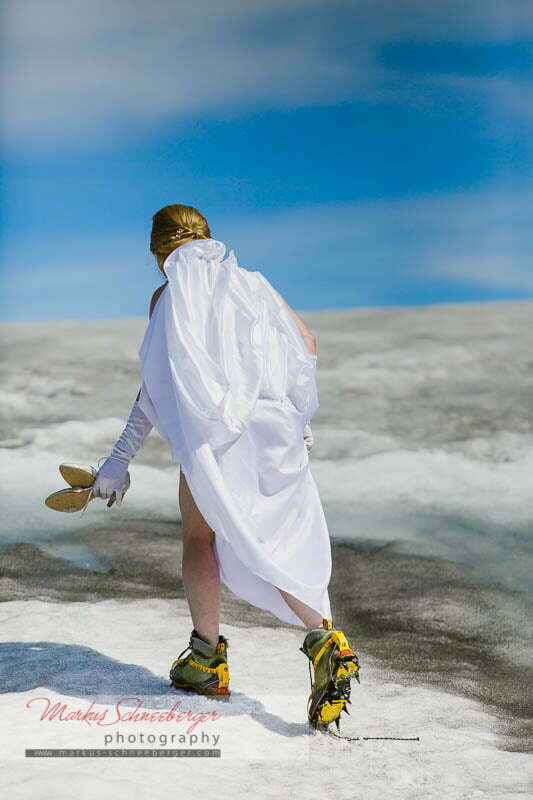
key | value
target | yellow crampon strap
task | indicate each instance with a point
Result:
(339, 638)
(222, 671)
(223, 675)
(330, 711)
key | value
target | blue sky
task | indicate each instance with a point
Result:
(359, 153)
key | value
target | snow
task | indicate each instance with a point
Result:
(76, 653)
(423, 457)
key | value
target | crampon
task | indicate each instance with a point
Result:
(204, 670)
(334, 664)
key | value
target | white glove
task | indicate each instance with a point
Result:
(308, 437)
(113, 475)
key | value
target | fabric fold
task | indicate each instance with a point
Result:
(230, 384)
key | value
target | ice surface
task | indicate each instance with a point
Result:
(423, 457)
(102, 652)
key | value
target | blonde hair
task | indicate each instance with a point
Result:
(173, 226)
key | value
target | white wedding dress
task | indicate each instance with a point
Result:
(230, 384)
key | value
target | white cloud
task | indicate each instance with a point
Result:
(441, 20)
(78, 69)
(480, 237)
(326, 255)
(499, 94)
(503, 270)
(74, 71)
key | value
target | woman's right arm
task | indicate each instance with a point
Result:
(153, 301)
(155, 297)
(113, 476)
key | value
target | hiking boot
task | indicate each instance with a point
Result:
(204, 670)
(334, 665)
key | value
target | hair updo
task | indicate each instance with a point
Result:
(173, 226)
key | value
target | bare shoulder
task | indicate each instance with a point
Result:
(155, 297)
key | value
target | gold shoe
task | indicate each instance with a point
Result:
(78, 474)
(75, 498)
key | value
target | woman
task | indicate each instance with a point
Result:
(229, 381)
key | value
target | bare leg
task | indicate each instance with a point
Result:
(200, 574)
(310, 617)
(201, 578)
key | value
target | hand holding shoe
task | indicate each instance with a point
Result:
(113, 476)
(113, 479)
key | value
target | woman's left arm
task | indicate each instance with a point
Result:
(308, 337)
(310, 342)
